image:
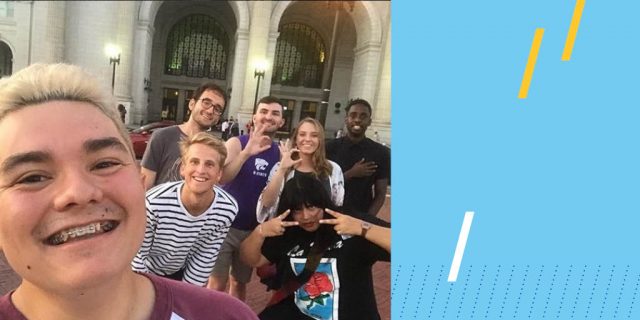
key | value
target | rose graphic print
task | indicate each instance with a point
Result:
(318, 298)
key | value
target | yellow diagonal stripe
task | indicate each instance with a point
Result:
(531, 63)
(573, 30)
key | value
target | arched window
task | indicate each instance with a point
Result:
(6, 60)
(197, 47)
(299, 59)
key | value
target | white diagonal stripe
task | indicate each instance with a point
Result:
(462, 242)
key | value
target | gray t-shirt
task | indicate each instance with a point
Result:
(163, 154)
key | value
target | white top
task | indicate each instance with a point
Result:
(336, 181)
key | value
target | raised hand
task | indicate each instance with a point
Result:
(363, 169)
(276, 226)
(258, 142)
(289, 157)
(343, 224)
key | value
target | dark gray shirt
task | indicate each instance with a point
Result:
(163, 154)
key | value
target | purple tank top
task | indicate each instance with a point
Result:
(248, 184)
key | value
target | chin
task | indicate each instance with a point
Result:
(311, 228)
(84, 275)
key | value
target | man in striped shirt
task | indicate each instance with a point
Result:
(188, 220)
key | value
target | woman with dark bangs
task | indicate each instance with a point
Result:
(323, 258)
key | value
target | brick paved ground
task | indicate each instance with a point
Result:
(257, 297)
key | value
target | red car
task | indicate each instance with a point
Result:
(140, 137)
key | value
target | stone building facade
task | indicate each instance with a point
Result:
(318, 54)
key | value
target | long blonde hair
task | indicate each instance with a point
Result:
(321, 166)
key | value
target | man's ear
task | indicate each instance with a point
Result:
(192, 104)
(282, 123)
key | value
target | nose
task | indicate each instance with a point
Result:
(200, 168)
(307, 213)
(76, 188)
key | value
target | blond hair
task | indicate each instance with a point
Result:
(206, 139)
(40, 83)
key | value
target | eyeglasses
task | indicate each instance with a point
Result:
(208, 104)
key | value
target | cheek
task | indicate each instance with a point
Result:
(217, 174)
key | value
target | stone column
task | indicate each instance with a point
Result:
(141, 70)
(48, 31)
(125, 30)
(89, 27)
(382, 107)
(258, 42)
(265, 85)
(364, 79)
(239, 68)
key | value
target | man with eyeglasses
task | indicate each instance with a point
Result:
(161, 160)
(365, 163)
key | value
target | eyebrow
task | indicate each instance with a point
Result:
(90, 146)
(22, 158)
(95, 145)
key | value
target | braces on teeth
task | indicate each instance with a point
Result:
(63, 236)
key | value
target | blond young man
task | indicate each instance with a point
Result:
(188, 220)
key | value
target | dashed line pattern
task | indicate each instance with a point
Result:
(575, 301)
(593, 290)
(493, 289)
(464, 291)
(406, 295)
(633, 300)
(519, 292)
(435, 292)
(424, 281)
(624, 281)
(524, 281)
(564, 291)
(535, 292)
(551, 286)
(606, 291)
(475, 301)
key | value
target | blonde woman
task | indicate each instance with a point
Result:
(303, 154)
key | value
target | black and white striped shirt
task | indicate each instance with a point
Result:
(174, 239)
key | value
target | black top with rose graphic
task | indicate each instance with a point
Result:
(341, 287)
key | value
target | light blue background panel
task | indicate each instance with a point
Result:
(553, 179)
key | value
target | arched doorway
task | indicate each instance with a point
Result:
(6, 60)
(301, 61)
(192, 43)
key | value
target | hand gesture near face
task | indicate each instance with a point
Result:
(343, 224)
(276, 226)
(363, 169)
(289, 157)
(258, 142)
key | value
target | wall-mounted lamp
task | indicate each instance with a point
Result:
(261, 69)
(113, 53)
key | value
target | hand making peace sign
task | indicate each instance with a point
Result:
(343, 224)
(276, 226)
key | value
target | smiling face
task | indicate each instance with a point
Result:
(205, 116)
(269, 115)
(72, 212)
(307, 138)
(358, 120)
(201, 168)
(308, 218)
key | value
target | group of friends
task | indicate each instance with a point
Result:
(73, 222)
